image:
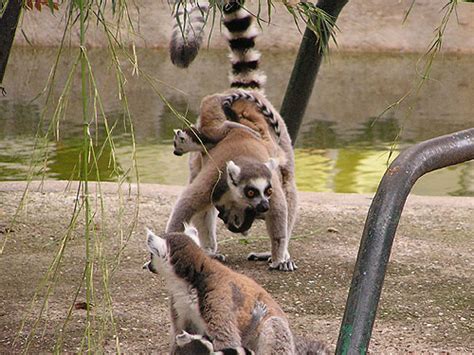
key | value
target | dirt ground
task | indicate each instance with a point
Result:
(427, 301)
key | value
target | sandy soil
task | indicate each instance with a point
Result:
(427, 302)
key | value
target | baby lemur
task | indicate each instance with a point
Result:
(247, 173)
(217, 118)
(215, 308)
(212, 126)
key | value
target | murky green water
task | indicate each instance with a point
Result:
(341, 146)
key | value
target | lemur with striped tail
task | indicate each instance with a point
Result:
(215, 310)
(245, 174)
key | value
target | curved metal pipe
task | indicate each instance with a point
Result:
(381, 225)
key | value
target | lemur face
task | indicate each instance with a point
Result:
(159, 249)
(257, 193)
(252, 184)
(183, 143)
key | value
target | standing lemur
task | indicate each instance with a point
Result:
(248, 169)
(215, 310)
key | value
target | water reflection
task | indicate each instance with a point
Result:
(342, 147)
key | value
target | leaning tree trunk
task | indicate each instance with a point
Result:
(306, 69)
(8, 23)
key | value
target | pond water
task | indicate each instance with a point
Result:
(342, 145)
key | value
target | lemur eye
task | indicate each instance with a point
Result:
(268, 191)
(250, 193)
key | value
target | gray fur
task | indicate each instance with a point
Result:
(188, 33)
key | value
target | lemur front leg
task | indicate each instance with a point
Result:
(205, 223)
(194, 198)
(276, 221)
(277, 226)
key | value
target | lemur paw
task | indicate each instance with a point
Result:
(288, 265)
(259, 310)
(183, 338)
(259, 256)
(218, 257)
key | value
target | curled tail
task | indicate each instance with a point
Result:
(188, 32)
(265, 108)
(310, 347)
(241, 34)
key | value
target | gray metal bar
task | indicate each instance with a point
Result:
(381, 225)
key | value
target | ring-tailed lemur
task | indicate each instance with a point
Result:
(245, 163)
(216, 119)
(216, 309)
(241, 33)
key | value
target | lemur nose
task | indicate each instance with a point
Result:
(263, 206)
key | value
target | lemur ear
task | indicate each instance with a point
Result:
(272, 164)
(233, 172)
(191, 232)
(156, 245)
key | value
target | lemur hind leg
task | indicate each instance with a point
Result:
(195, 165)
(215, 122)
(289, 187)
(275, 338)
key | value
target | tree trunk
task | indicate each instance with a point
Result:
(305, 71)
(8, 23)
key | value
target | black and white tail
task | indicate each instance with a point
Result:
(245, 60)
(266, 109)
(188, 31)
(241, 34)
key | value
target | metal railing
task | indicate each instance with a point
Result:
(381, 225)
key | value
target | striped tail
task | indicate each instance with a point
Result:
(188, 33)
(241, 34)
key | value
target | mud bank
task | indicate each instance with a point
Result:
(426, 302)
